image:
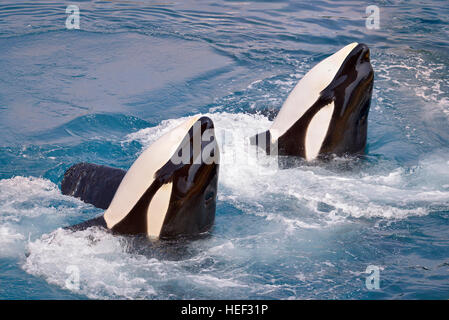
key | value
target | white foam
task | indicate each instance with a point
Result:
(107, 270)
(294, 199)
(31, 197)
(29, 205)
(148, 135)
(110, 272)
(208, 280)
(276, 194)
(10, 240)
(418, 73)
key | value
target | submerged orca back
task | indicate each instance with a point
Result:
(92, 183)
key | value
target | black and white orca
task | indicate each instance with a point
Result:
(168, 192)
(326, 113)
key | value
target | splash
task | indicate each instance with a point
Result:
(326, 194)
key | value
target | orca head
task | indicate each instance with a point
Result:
(170, 190)
(351, 92)
(326, 113)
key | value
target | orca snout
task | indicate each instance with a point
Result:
(363, 53)
(209, 146)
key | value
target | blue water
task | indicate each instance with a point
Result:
(135, 69)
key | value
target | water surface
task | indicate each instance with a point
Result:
(135, 69)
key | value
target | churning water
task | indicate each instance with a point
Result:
(135, 69)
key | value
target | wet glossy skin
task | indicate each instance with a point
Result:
(194, 194)
(193, 198)
(351, 91)
(92, 183)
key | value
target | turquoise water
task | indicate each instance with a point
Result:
(135, 69)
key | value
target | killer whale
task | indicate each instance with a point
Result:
(170, 190)
(326, 113)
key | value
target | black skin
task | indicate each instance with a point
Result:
(193, 199)
(92, 183)
(351, 91)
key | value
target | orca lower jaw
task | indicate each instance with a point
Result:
(202, 233)
(193, 205)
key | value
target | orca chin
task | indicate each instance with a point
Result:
(170, 191)
(326, 113)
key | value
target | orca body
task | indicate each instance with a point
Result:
(169, 191)
(326, 113)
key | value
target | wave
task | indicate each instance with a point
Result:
(274, 207)
(383, 189)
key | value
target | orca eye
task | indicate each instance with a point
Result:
(366, 56)
(209, 197)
